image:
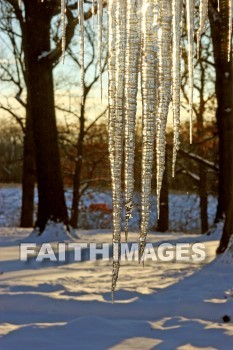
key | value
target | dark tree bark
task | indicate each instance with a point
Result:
(202, 170)
(163, 221)
(29, 175)
(203, 199)
(40, 101)
(224, 114)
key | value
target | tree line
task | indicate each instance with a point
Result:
(33, 32)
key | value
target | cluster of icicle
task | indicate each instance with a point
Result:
(144, 41)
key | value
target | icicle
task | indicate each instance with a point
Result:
(81, 33)
(190, 31)
(63, 28)
(120, 28)
(218, 5)
(202, 22)
(148, 76)
(164, 90)
(230, 4)
(131, 88)
(93, 13)
(176, 80)
(111, 126)
(19, 3)
(111, 80)
(100, 34)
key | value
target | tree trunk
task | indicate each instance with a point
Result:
(78, 170)
(224, 114)
(202, 170)
(203, 199)
(41, 105)
(28, 178)
(163, 221)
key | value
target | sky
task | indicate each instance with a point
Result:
(67, 85)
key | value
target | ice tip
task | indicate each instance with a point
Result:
(173, 170)
(113, 296)
(191, 140)
(126, 231)
(140, 255)
(140, 260)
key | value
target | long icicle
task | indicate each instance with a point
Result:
(202, 22)
(230, 4)
(176, 79)
(118, 134)
(131, 89)
(218, 5)
(63, 28)
(148, 77)
(164, 90)
(190, 31)
(81, 33)
(93, 13)
(100, 39)
(225, 28)
(111, 131)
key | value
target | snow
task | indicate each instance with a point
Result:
(43, 54)
(54, 232)
(68, 306)
(184, 210)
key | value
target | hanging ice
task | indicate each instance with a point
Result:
(131, 88)
(93, 13)
(148, 76)
(81, 34)
(118, 129)
(190, 31)
(218, 5)
(203, 15)
(100, 35)
(230, 5)
(111, 81)
(164, 90)
(158, 29)
(226, 43)
(111, 130)
(63, 28)
(176, 80)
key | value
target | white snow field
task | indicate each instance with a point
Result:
(184, 211)
(67, 306)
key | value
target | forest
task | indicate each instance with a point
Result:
(116, 126)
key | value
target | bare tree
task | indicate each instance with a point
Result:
(85, 117)
(224, 114)
(35, 20)
(204, 98)
(14, 76)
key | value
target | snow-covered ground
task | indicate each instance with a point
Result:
(95, 210)
(67, 306)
